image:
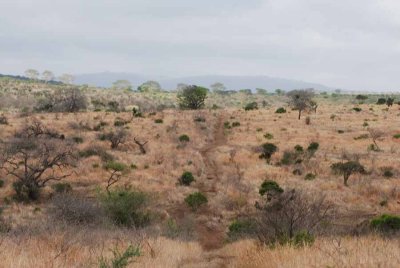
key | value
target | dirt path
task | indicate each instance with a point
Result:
(210, 231)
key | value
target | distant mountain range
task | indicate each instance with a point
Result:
(106, 79)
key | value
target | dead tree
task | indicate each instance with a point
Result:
(141, 145)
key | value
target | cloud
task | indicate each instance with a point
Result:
(349, 44)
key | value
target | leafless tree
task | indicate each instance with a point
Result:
(116, 138)
(141, 145)
(47, 76)
(32, 74)
(375, 135)
(35, 161)
(289, 213)
(301, 100)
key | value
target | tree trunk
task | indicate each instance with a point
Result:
(299, 114)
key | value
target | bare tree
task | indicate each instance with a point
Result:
(116, 170)
(35, 161)
(301, 100)
(375, 135)
(141, 145)
(116, 138)
(289, 213)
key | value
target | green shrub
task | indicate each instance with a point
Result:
(196, 200)
(1, 183)
(381, 101)
(77, 139)
(235, 124)
(158, 121)
(251, 106)
(269, 186)
(184, 138)
(280, 110)
(310, 176)
(362, 137)
(268, 136)
(96, 151)
(62, 187)
(396, 136)
(25, 193)
(357, 109)
(120, 259)
(386, 223)
(119, 123)
(302, 239)
(186, 178)
(126, 207)
(227, 125)
(241, 227)
(313, 147)
(298, 148)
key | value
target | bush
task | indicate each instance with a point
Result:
(396, 136)
(357, 109)
(302, 239)
(119, 123)
(77, 139)
(199, 119)
(75, 209)
(3, 120)
(186, 178)
(310, 176)
(381, 101)
(313, 147)
(126, 207)
(386, 223)
(268, 149)
(241, 227)
(1, 183)
(24, 193)
(251, 106)
(62, 187)
(387, 172)
(270, 187)
(235, 124)
(158, 121)
(184, 138)
(280, 110)
(120, 259)
(299, 148)
(98, 151)
(196, 200)
(268, 136)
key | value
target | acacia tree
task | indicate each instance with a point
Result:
(47, 76)
(301, 100)
(192, 97)
(34, 161)
(32, 74)
(375, 135)
(218, 87)
(346, 169)
(66, 78)
(122, 85)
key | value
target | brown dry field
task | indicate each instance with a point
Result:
(228, 170)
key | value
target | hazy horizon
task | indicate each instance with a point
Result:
(335, 43)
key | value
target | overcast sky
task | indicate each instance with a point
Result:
(352, 44)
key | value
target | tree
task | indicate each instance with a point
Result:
(217, 87)
(268, 149)
(122, 85)
(301, 99)
(346, 169)
(66, 78)
(32, 74)
(150, 86)
(68, 100)
(115, 137)
(389, 102)
(292, 217)
(35, 161)
(261, 91)
(375, 135)
(181, 86)
(192, 97)
(116, 170)
(47, 76)
(279, 91)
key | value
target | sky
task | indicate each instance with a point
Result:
(350, 44)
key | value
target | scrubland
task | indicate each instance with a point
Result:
(68, 227)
